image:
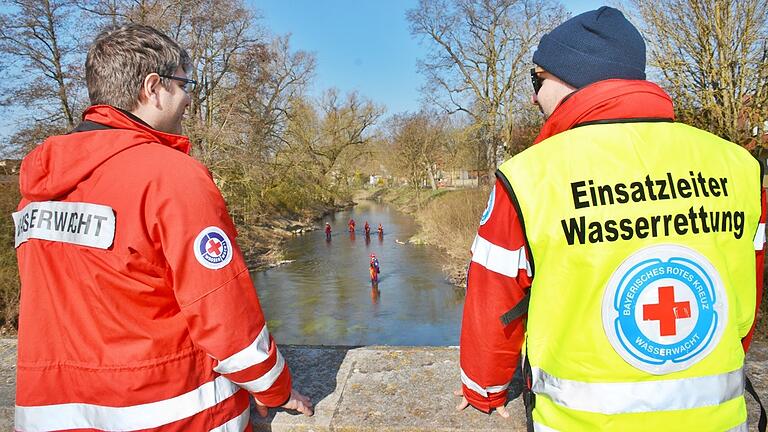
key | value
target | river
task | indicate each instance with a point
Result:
(324, 297)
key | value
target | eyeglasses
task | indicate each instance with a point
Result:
(536, 80)
(189, 84)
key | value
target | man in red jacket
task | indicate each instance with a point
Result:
(137, 308)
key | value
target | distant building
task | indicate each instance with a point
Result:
(457, 178)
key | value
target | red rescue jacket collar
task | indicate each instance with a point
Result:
(58, 165)
(117, 119)
(612, 99)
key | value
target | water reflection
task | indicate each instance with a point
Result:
(326, 296)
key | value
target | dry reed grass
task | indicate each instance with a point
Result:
(450, 222)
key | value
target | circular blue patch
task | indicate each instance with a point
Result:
(213, 248)
(489, 207)
(663, 309)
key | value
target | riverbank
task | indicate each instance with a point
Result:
(380, 389)
(263, 244)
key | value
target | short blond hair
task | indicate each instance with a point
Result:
(120, 59)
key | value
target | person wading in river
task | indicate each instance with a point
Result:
(375, 269)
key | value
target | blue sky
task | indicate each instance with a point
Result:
(361, 45)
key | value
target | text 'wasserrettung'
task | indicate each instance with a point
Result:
(696, 220)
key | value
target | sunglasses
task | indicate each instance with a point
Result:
(536, 80)
(189, 85)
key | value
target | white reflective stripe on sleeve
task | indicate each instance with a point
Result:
(136, 417)
(477, 388)
(78, 223)
(237, 424)
(648, 396)
(500, 260)
(265, 381)
(760, 237)
(255, 353)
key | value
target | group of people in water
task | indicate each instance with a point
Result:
(351, 225)
(366, 228)
(374, 268)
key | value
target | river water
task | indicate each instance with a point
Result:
(324, 297)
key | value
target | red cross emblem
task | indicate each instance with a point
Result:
(214, 247)
(667, 311)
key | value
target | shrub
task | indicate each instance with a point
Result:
(9, 273)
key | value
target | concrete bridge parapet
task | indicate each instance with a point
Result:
(378, 389)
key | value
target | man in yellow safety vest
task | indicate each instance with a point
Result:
(621, 255)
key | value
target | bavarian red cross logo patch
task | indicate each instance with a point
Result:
(664, 309)
(212, 248)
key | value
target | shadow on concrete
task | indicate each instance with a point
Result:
(315, 371)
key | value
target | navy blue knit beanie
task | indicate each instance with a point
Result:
(594, 46)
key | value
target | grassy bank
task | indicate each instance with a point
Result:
(262, 244)
(450, 221)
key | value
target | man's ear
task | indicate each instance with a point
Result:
(150, 90)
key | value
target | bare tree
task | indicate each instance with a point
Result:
(416, 146)
(156, 13)
(459, 147)
(216, 33)
(712, 56)
(270, 78)
(337, 135)
(346, 128)
(249, 117)
(480, 55)
(42, 54)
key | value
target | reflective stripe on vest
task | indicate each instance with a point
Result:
(538, 427)
(635, 397)
(137, 417)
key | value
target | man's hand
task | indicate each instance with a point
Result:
(502, 410)
(297, 402)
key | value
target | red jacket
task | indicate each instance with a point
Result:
(499, 277)
(158, 329)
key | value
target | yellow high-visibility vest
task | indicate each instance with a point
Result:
(642, 239)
